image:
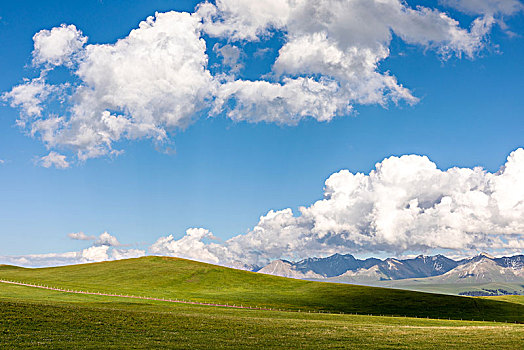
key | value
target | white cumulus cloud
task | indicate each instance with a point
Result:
(405, 204)
(152, 81)
(156, 79)
(54, 159)
(282, 103)
(56, 47)
(107, 240)
(331, 54)
(29, 97)
(119, 254)
(101, 250)
(191, 246)
(104, 239)
(80, 236)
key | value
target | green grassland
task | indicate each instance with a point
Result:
(185, 279)
(517, 299)
(34, 318)
(37, 318)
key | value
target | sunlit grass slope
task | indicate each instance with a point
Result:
(33, 318)
(517, 299)
(189, 280)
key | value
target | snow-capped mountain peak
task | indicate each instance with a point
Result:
(437, 268)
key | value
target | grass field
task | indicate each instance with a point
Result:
(35, 318)
(32, 318)
(184, 279)
(517, 299)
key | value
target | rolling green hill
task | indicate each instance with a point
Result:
(32, 318)
(184, 279)
(516, 299)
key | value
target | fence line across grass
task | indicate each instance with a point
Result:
(182, 301)
(137, 297)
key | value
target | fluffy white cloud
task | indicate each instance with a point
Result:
(490, 7)
(118, 254)
(244, 19)
(95, 253)
(107, 240)
(152, 81)
(191, 246)
(56, 47)
(54, 159)
(101, 250)
(88, 255)
(81, 236)
(405, 204)
(354, 70)
(340, 41)
(156, 79)
(145, 84)
(29, 97)
(282, 103)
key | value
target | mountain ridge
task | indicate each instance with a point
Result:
(436, 269)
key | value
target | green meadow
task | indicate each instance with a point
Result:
(37, 318)
(517, 299)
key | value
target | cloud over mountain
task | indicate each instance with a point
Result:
(405, 204)
(156, 80)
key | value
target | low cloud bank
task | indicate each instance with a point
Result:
(102, 249)
(405, 204)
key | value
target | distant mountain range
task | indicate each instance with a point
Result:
(416, 273)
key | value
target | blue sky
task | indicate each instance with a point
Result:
(223, 175)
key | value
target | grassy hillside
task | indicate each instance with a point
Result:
(41, 319)
(184, 279)
(516, 299)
